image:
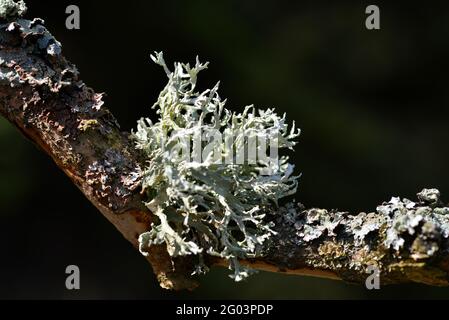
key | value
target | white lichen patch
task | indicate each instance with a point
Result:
(328, 239)
(362, 224)
(318, 222)
(212, 203)
(421, 222)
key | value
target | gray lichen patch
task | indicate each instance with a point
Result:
(317, 222)
(210, 206)
(364, 224)
(11, 9)
(41, 94)
(45, 40)
(88, 124)
(204, 209)
(399, 230)
(426, 244)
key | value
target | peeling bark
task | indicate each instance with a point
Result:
(42, 95)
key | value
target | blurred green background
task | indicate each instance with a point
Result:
(373, 107)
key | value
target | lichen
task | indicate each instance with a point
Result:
(208, 204)
(366, 256)
(362, 224)
(317, 222)
(420, 272)
(35, 32)
(427, 243)
(407, 219)
(88, 124)
(10, 9)
(114, 177)
(17, 69)
(404, 239)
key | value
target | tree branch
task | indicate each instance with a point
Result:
(406, 241)
(42, 95)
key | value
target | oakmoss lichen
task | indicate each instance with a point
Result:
(212, 204)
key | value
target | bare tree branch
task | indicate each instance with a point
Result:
(42, 95)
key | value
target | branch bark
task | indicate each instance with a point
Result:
(42, 94)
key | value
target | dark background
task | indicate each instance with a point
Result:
(373, 107)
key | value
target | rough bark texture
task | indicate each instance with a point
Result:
(42, 95)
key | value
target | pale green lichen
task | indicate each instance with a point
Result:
(212, 203)
(10, 9)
